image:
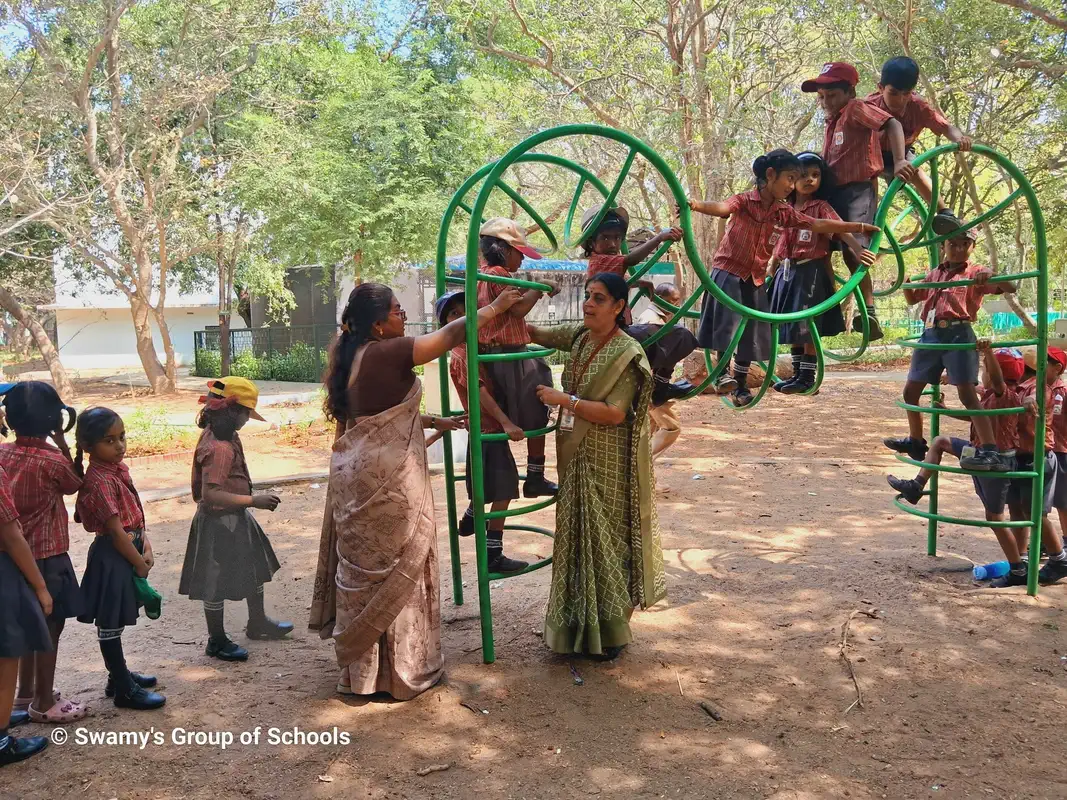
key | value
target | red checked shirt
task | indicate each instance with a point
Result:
(38, 477)
(1005, 426)
(803, 244)
(954, 302)
(505, 329)
(917, 116)
(8, 512)
(1054, 404)
(852, 146)
(752, 234)
(1058, 412)
(107, 492)
(219, 465)
(457, 368)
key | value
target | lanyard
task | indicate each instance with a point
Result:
(581, 374)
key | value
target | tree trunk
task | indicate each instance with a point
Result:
(170, 370)
(146, 348)
(1020, 312)
(44, 344)
(224, 345)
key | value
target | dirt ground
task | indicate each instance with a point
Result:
(789, 531)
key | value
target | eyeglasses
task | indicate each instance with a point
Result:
(399, 312)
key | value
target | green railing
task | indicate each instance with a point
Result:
(489, 179)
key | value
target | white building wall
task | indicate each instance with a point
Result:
(103, 337)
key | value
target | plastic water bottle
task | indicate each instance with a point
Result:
(998, 569)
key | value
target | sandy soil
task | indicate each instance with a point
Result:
(790, 530)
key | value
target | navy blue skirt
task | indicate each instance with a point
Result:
(23, 628)
(228, 557)
(108, 591)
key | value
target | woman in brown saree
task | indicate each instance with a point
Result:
(606, 557)
(376, 588)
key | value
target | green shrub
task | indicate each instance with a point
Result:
(208, 363)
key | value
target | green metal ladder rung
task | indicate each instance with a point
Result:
(517, 282)
(973, 523)
(913, 342)
(518, 512)
(1007, 278)
(961, 412)
(521, 355)
(960, 471)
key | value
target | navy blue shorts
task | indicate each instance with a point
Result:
(961, 365)
(1022, 488)
(993, 492)
(1059, 494)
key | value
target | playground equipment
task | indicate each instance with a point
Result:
(489, 179)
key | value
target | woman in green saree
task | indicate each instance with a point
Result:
(606, 558)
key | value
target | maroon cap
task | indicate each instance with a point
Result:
(1058, 356)
(833, 72)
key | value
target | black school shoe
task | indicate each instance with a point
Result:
(466, 524)
(503, 565)
(139, 698)
(225, 649)
(783, 386)
(795, 386)
(268, 629)
(18, 718)
(1052, 572)
(539, 487)
(664, 391)
(909, 489)
(915, 449)
(742, 397)
(945, 222)
(985, 459)
(21, 749)
(726, 384)
(1011, 579)
(147, 681)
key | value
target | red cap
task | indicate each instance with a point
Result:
(1057, 355)
(833, 72)
(1011, 365)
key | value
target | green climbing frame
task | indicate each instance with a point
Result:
(489, 179)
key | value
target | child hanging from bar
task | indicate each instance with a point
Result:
(803, 273)
(947, 314)
(500, 475)
(603, 249)
(503, 246)
(757, 221)
(109, 506)
(1002, 371)
(1020, 492)
(228, 557)
(896, 95)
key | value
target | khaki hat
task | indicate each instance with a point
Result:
(232, 390)
(619, 212)
(1030, 356)
(508, 230)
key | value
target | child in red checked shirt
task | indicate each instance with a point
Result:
(947, 314)
(757, 221)
(24, 604)
(500, 475)
(1003, 370)
(39, 475)
(108, 506)
(896, 94)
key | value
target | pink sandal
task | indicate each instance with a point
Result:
(24, 703)
(61, 713)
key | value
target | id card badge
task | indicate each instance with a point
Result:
(566, 419)
(968, 451)
(930, 318)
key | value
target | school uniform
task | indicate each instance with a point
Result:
(1057, 411)
(515, 382)
(1021, 489)
(740, 268)
(947, 315)
(228, 556)
(500, 474)
(803, 278)
(917, 116)
(23, 628)
(111, 600)
(851, 146)
(38, 477)
(994, 491)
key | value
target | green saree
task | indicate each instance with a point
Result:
(606, 557)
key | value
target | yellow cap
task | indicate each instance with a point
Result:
(237, 390)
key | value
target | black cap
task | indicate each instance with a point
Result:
(440, 308)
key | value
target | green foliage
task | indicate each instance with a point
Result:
(302, 364)
(149, 430)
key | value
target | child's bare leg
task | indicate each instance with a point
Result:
(1050, 537)
(982, 424)
(26, 671)
(938, 448)
(1022, 535)
(535, 448)
(925, 189)
(809, 349)
(45, 670)
(866, 287)
(9, 670)
(913, 392)
(1006, 539)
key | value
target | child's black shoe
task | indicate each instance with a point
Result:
(795, 386)
(538, 486)
(1011, 579)
(20, 749)
(909, 489)
(139, 698)
(985, 459)
(147, 681)
(872, 321)
(913, 448)
(268, 628)
(782, 386)
(742, 397)
(1053, 571)
(503, 565)
(225, 649)
(466, 524)
(18, 718)
(726, 384)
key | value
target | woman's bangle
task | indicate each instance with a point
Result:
(433, 423)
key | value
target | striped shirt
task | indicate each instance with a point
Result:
(505, 329)
(752, 234)
(38, 477)
(457, 368)
(852, 146)
(917, 116)
(953, 302)
(1054, 399)
(8, 512)
(613, 264)
(107, 492)
(803, 244)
